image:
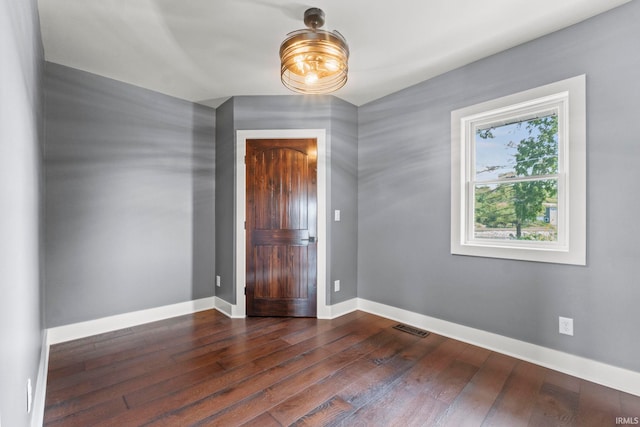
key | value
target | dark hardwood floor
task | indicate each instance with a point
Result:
(356, 370)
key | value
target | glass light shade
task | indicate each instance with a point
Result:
(314, 61)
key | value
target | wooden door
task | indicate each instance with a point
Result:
(281, 227)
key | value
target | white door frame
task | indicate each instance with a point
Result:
(239, 310)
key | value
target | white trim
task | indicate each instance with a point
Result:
(323, 311)
(587, 369)
(601, 373)
(106, 324)
(40, 395)
(340, 309)
(568, 97)
(226, 308)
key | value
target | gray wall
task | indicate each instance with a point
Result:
(225, 202)
(203, 202)
(129, 198)
(404, 198)
(295, 112)
(343, 195)
(21, 58)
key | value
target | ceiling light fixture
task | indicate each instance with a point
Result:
(314, 60)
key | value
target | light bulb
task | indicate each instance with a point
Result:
(311, 78)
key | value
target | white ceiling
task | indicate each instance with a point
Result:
(208, 50)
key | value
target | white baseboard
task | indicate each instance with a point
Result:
(106, 324)
(340, 309)
(226, 308)
(329, 312)
(587, 369)
(40, 392)
(223, 306)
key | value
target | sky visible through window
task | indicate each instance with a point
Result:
(495, 157)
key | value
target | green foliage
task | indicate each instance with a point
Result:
(493, 207)
(538, 153)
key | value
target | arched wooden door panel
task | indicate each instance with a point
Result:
(281, 215)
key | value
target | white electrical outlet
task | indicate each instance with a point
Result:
(336, 286)
(336, 215)
(218, 281)
(566, 325)
(29, 396)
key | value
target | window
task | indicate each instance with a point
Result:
(518, 176)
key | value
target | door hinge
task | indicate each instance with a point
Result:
(245, 225)
(245, 290)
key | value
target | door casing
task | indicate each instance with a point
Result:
(239, 310)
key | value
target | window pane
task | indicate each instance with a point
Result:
(522, 148)
(517, 211)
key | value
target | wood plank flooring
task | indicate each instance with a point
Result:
(208, 370)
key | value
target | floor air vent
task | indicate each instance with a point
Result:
(411, 330)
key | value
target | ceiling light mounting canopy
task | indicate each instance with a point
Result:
(314, 18)
(314, 60)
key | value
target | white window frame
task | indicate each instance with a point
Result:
(565, 98)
